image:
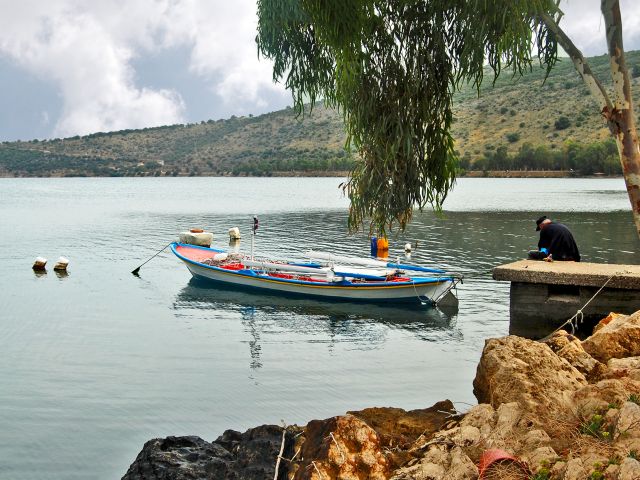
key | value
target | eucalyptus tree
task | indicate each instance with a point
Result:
(392, 67)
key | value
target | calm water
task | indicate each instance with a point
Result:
(97, 362)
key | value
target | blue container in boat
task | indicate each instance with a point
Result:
(374, 247)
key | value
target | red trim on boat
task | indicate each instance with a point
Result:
(195, 254)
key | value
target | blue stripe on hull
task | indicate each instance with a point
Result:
(256, 289)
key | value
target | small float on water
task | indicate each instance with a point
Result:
(325, 275)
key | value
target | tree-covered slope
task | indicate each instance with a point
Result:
(506, 116)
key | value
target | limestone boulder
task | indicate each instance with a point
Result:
(574, 470)
(342, 447)
(570, 348)
(420, 471)
(597, 397)
(629, 363)
(461, 467)
(432, 466)
(539, 457)
(482, 416)
(624, 367)
(534, 439)
(440, 464)
(629, 469)
(514, 369)
(399, 428)
(628, 422)
(619, 338)
(607, 320)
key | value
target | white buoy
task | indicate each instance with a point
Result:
(61, 265)
(234, 245)
(234, 233)
(407, 247)
(196, 236)
(40, 263)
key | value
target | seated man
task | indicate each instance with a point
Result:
(556, 242)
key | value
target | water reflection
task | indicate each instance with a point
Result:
(340, 318)
(250, 323)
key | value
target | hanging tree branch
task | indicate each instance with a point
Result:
(392, 67)
(582, 66)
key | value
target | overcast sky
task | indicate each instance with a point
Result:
(70, 67)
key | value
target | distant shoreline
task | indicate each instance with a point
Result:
(315, 174)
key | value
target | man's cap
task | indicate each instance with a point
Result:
(539, 221)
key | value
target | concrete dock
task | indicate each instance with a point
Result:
(545, 294)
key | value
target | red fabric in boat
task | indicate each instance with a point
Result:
(196, 254)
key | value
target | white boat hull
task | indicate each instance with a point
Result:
(407, 291)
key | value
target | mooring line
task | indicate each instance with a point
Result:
(579, 315)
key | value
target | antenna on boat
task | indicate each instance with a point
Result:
(253, 234)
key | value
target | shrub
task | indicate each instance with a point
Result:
(513, 137)
(562, 123)
(504, 110)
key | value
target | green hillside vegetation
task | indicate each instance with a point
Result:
(516, 124)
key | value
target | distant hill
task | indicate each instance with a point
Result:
(514, 111)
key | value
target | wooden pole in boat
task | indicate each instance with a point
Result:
(135, 271)
(253, 234)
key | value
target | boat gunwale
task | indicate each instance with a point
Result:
(363, 285)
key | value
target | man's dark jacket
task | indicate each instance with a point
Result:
(557, 239)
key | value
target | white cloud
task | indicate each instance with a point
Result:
(584, 24)
(88, 49)
(223, 47)
(88, 59)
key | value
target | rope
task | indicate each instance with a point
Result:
(579, 315)
(426, 299)
(456, 280)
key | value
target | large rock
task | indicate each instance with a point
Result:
(570, 348)
(597, 397)
(439, 464)
(628, 422)
(233, 456)
(398, 429)
(619, 338)
(625, 367)
(514, 369)
(343, 447)
(629, 469)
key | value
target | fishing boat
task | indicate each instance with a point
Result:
(325, 275)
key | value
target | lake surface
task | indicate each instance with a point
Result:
(97, 362)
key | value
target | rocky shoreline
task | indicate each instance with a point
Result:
(560, 409)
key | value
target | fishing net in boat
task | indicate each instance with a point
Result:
(224, 259)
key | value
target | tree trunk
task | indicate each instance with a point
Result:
(620, 118)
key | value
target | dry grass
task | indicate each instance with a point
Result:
(506, 470)
(568, 441)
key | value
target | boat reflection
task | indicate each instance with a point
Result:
(338, 315)
(277, 319)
